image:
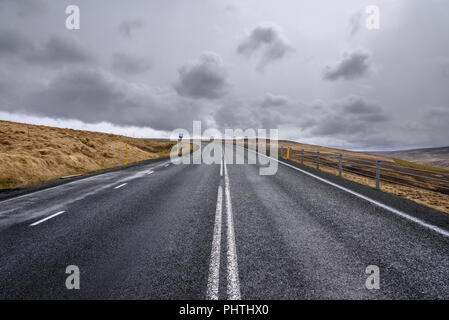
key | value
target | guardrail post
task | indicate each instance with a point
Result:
(318, 160)
(302, 157)
(288, 153)
(282, 151)
(378, 174)
(340, 165)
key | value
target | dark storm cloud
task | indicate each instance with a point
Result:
(353, 115)
(94, 96)
(266, 40)
(243, 114)
(270, 111)
(57, 51)
(128, 64)
(435, 112)
(13, 42)
(78, 77)
(54, 52)
(87, 95)
(333, 125)
(351, 66)
(351, 118)
(358, 105)
(6, 89)
(372, 118)
(23, 7)
(271, 100)
(205, 78)
(127, 27)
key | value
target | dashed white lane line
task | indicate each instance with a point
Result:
(221, 166)
(47, 218)
(214, 268)
(167, 164)
(232, 267)
(122, 185)
(150, 172)
(375, 202)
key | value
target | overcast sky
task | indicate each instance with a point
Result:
(309, 68)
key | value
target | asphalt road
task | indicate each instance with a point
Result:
(197, 231)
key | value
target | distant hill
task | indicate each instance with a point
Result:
(434, 157)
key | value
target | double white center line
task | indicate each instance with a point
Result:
(122, 185)
(47, 218)
(233, 284)
(233, 270)
(214, 268)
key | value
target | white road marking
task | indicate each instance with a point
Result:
(150, 172)
(221, 166)
(47, 218)
(214, 268)
(375, 202)
(161, 165)
(166, 165)
(83, 179)
(122, 185)
(232, 268)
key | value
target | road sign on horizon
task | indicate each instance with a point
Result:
(180, 136)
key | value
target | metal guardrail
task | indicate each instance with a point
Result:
(377, 170)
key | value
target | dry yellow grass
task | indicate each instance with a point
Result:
(419, 166)
(433, 200)
(345, 153)
(31, 154)
(427, 157)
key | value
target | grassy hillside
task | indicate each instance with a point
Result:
(414, 165)
(429, 157)
(427, 198)
(345, 153)
(31, 154)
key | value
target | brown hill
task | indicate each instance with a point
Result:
(434, 157)
(329, 165)
(31, 154)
